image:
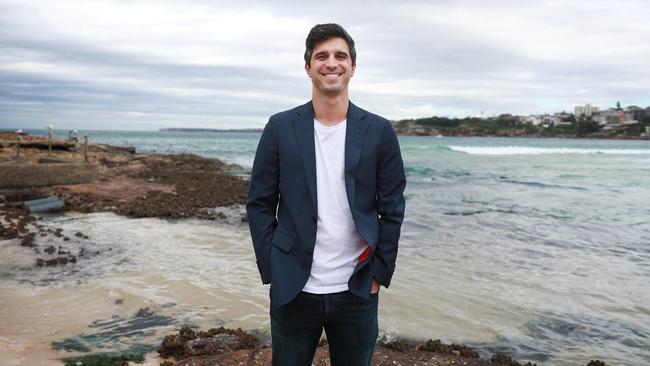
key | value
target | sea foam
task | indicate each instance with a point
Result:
(522, 150)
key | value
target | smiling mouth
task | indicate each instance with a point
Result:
(332, 75)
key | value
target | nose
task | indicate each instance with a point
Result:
(331, 61)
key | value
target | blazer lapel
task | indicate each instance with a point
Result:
(355, 137)
(303, 127)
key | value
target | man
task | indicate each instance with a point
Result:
(325, 208)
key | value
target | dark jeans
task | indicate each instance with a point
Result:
(350, 324)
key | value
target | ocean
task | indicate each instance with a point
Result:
(537, 248)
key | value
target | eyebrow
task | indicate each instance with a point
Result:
(337, 53)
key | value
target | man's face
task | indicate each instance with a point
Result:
(331, 66)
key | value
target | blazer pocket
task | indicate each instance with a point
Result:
(283, 241)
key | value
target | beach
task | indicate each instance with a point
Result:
(166, 231)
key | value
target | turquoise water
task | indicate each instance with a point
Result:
(539, 248)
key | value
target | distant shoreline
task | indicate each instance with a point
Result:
(209, 130)
(399, 132)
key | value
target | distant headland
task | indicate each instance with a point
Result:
(209, 130)
(587, 121)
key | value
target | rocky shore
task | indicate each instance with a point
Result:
(135, 185)
(234, 347)
(122, 181)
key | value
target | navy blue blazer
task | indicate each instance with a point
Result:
(282, 205)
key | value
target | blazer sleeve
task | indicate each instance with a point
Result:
(391, 182)
(263, 195)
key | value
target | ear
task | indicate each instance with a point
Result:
(354, 67)
(308, 70)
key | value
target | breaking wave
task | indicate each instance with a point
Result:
(521, 150)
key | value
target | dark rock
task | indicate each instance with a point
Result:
(53, 262)
(50, 250)
(219, 344)
(507, 361)
(174, 345)
(596, 363)
(452, 349)
(215, 341)
(398, 345)
(28, 240)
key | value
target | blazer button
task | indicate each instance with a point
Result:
(313, 219)
(308, 252)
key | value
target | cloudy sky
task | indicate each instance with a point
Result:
(144, 65)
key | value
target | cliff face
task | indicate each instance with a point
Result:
(412, 129)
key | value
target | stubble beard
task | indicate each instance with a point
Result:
(330, 90)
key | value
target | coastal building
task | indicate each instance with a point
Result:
(552, 120)
(586, 110)
(608, 117)
(565, 119)
(614, 119)
(637, 113)
(534, 120)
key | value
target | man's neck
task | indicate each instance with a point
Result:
(330, 110)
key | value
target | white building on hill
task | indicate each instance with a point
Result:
(587, 110)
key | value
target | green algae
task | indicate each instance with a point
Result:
(135, 353)
(70, 345)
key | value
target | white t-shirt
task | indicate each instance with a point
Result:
(338, 244)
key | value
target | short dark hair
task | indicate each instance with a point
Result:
(323, 32)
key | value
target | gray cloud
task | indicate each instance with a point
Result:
(146, 65)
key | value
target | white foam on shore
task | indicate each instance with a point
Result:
(520, 150)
